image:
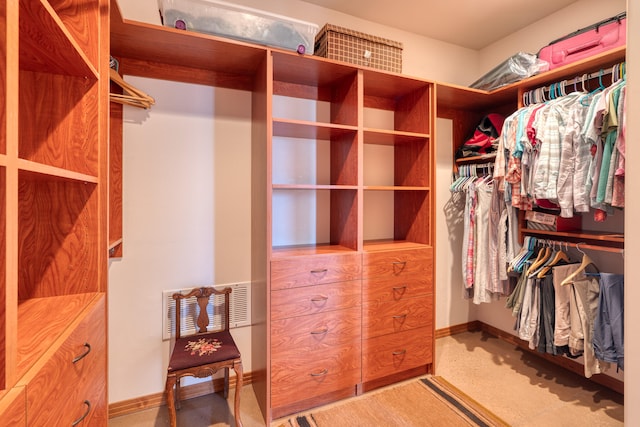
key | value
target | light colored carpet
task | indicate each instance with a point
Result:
(430, 401)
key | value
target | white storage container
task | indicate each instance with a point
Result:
(240, 23)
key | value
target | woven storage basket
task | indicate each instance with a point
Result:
(340, 43)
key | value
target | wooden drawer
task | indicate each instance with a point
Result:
(315, 332)
(305, 375)
(396, 288)
(313, 270)
(395, 316)
(78, 382)
(401, 263)
(315, 299)
(12, 408)
(394, 353)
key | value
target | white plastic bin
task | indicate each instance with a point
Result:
(240, 23)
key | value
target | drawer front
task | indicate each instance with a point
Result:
(315, 270)
(305, 375)
(391, 354)
(396, 288)
(77, 382)
(389, 317)
(402, 263)
(12, 406)
(316, 332)
(315, 299)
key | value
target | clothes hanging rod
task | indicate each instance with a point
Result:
(579, 246)
(587, 76)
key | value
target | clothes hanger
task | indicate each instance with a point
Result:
(525, 252)
(132, 95)
(586, 261)
(559, 256)
(543, 256)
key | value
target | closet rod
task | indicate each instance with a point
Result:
(580, 246)
(588, 76)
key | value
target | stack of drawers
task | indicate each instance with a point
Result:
(397, 312)
(315, 327)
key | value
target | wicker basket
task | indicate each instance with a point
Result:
(340, 43)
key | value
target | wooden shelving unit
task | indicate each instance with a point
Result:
(52, 215)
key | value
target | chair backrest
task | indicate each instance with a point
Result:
(203, 297)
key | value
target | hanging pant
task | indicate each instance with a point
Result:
(608, 334)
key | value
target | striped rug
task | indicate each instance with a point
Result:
(424, 402)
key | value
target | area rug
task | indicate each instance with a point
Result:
(428, 401)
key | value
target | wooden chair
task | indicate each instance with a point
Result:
(204, 352)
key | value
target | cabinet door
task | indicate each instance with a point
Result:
(304, 375)
(401, 263)
(396, 288)
(76, 371)
(395, 316)
(314, 270)
(314, 299)
(393, 353)
(12, 408)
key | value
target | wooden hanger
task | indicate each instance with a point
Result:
(543, 256)
(132, 95)
(586, 261)
(559, 256)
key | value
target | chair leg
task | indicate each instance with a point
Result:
(178, 404)
(171, 404)
(226, 383)
(237, 367)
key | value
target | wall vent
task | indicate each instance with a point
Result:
(240, 310)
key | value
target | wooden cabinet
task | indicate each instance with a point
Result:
(397, 314)
(341, 167)
(52, 173)
(350, 200)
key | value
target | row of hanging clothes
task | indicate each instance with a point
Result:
(565, 307)
(563, 151)
(565, 148)
(482, 249)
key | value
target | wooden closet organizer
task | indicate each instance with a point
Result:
(53, 173)
(371, 299)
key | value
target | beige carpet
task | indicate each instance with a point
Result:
(429, 401)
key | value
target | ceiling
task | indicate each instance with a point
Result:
(474, 24)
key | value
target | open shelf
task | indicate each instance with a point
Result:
(311, 217)
(57, 247)
(46, 45)
(58, 121)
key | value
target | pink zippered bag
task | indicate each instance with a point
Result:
(586, 42)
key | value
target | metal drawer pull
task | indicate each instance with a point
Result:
(319, 298)
(83, 355)
(319, 374)
(320, 271)
(320, 331)
(399, 352)
(79, 420)
(400, 316)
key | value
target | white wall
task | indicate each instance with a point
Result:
(186, 220)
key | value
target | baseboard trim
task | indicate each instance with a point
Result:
(571, 365)
(475, 325)
(186, 392)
